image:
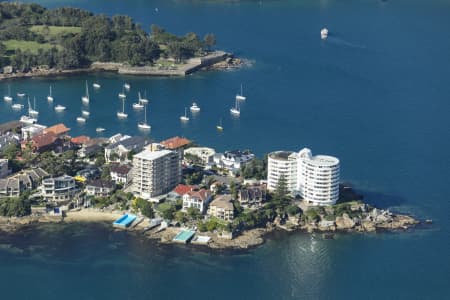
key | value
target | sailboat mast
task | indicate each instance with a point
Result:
(145, 114)
(123, 106)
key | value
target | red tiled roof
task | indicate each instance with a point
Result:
(175, 142)
(57, 129)
(44, 139)
(82, 139)
(182, 189)
(201, 194)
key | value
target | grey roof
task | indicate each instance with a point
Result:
(101, 183)
(134, 142)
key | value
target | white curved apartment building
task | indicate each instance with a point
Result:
(318, 178)
(282, 163)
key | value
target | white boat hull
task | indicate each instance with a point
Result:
(121, 115)
(184, 119)
(144, 126)
(49, 98)
(235, 112)
(138, 106)
(85, 99)
(60, 108)
(100, 129)
(81, 120)
(96, 85)
(7, 98)
(239, 97)
(28, 120)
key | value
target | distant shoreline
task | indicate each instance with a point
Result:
(217, 60)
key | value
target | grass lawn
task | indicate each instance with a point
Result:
(55, 31)
(12, 45)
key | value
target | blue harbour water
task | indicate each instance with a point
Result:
(376, 94)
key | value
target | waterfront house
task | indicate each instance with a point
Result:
(196, 199)
(59, 189)
(177, 144)
(120, 173)
(32, 130)
(118, 151)
(99, 188)
(90, 147)
(80, 140)
(252, 196)
(15, 184)
(200, 155)
(222, 207)
(59, 130)
(43, 142)
(234, 160)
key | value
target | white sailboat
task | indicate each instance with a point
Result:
(241, 95)
(139, 104)
(144, 100)
(184, 118)
(122, 94)
(96, 85)
(127, 86)
(17, 106)
(144, 125)
(85, 98)
(99, 129)
(85, 113)
(20, 94)
(8, 97)
(50, 97)
(32, 111)
(60, 108)
(235, 110)
(122, 114)
(219, 126)
(81, 120)
(28, 119)
(195, 108)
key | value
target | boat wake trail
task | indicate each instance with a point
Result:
(340, 41)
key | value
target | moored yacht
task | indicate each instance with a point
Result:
(235, 110)
(81, 120)
(28, 120)
(184, 118)
(8, 97)
(60, 108)
(139, 104)
(50, 97)
(85, 113)
(324, 33)
(96, 85)
(85, 98)
(100, 129)
(127, 86)
(144, 125)
(241, 95)
(195, 108)
(122, 114)
(17, 106)
(32, 111)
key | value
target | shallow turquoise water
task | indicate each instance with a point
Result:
(375, 94)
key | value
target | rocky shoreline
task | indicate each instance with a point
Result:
(366, 220)
(217, 60)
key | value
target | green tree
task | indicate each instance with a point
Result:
(209, 40)
(194, 213)
(181, 217)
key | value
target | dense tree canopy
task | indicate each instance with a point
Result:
(70, 38)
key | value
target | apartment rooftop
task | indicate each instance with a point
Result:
(280, 155)
(152, 155)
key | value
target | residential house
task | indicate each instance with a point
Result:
(222, 207)
(80, 140)
(15, 184)
(118, 151)
(43, 142)
(121, 173)
(179, 191)
(32, 130)
(196, 199)
(234, 160)
(59, 130)
(177, 144)
(59, 189)
(252, 196)
(204, 155)
(99, 188)
(90, 147)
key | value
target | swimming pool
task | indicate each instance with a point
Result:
(184, 236)
(125, 220)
